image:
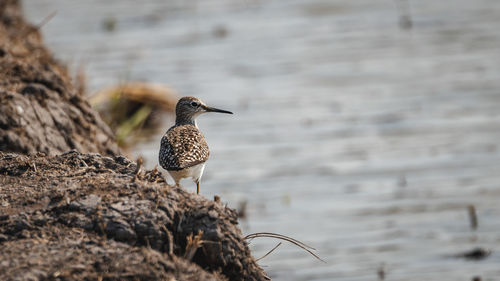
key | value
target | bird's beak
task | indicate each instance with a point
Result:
(213, 109)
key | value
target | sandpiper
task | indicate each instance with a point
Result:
(183, 149)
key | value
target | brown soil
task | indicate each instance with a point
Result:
(81, 216)
(84, 216)
(40, 109)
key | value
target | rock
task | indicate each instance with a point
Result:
(87, 204)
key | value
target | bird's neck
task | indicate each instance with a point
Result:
(185, 120)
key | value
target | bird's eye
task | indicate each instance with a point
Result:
(195, 104)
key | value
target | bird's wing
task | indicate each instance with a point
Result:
(182, 147)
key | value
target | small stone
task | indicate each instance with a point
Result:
(213, 214)
(19, 110)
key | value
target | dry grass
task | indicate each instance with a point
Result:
(193, 243)
(296, 242)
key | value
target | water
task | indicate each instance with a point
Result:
(364, 139)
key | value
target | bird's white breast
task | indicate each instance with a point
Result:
(195, 172)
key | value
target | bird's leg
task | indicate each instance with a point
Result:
(197, 187)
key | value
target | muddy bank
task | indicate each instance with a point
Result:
(41, 110)
(84, 216)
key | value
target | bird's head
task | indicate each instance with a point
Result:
(188, 108)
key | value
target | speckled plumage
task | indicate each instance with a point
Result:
(183, 149)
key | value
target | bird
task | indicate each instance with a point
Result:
(183, 149)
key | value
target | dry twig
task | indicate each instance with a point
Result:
(137, 169)
(472, 217)
(268, 253)
(193, 243)
(296, 242)
(46, 20)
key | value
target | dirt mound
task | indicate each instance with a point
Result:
(84, 216)
(40, 109)
(85, 256)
